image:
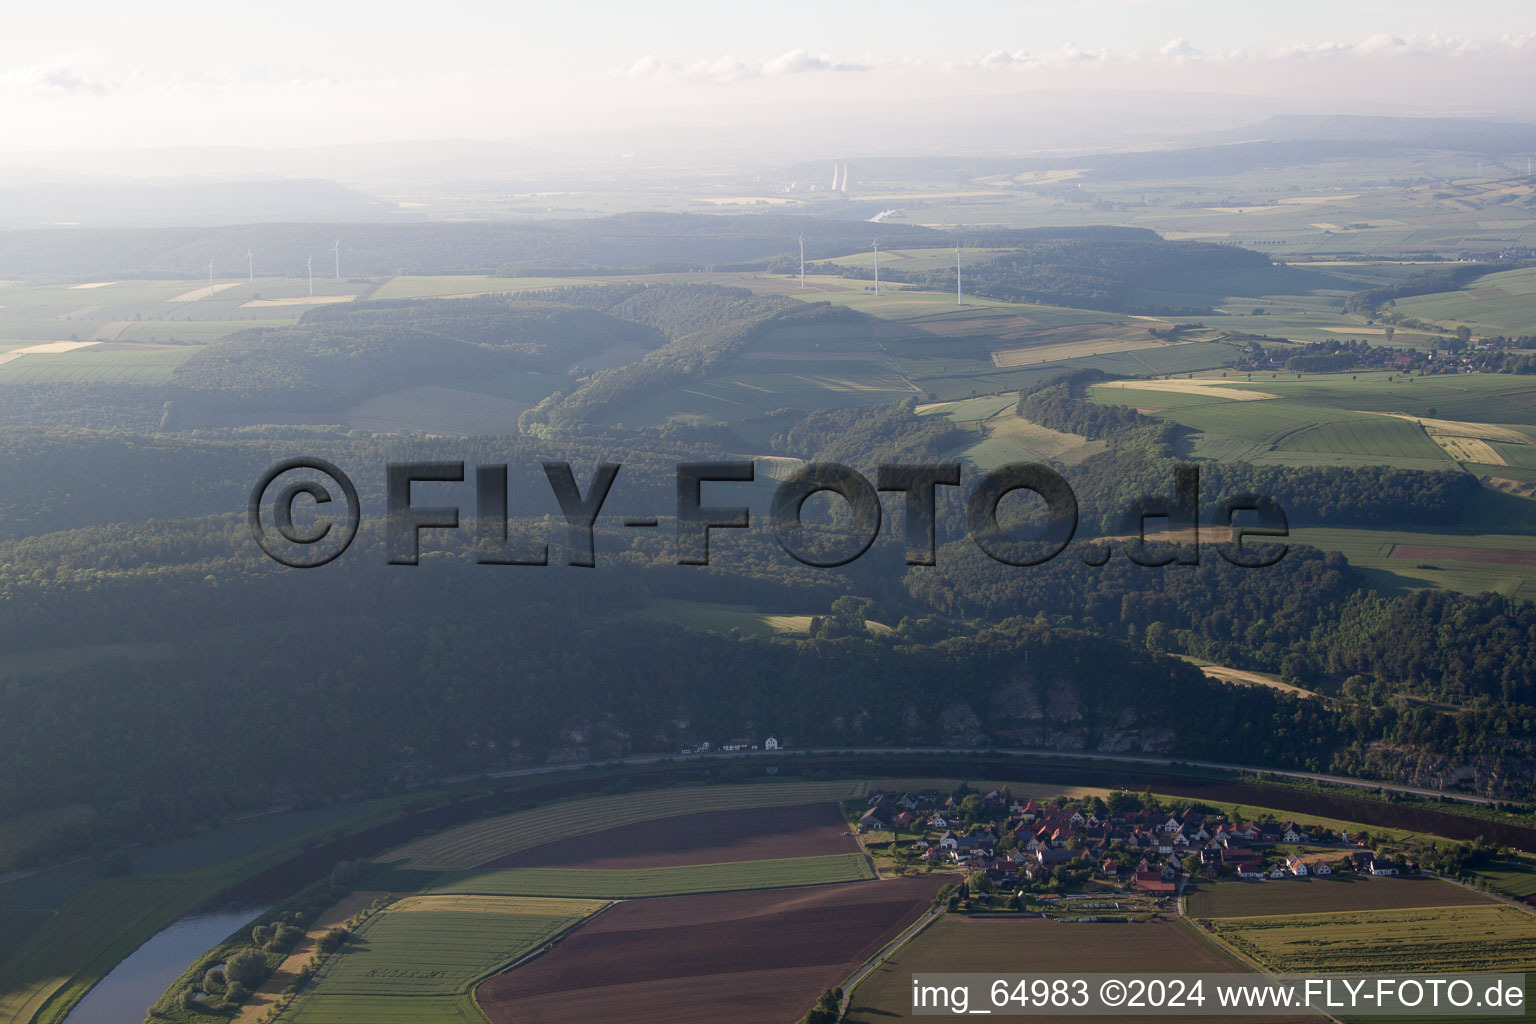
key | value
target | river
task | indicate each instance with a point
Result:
(124, 994)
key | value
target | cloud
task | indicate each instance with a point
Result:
(1065, 55)
(52, 80)
(1180, 51)
(727, 68)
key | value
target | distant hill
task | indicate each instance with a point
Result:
(635, 242)
(96, 203)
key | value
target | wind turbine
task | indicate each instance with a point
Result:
(876, 243)
(336, 250)
(210, 279)
(309, 264)
(802, 261)
(957, 275)
(250, 266)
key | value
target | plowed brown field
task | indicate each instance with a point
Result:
(752, 957)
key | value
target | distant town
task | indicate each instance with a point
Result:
(1029, 845)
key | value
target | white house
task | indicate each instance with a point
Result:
(770, 744)
(1296, 866)
(1320, 868)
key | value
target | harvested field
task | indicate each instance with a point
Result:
(712, 837)
(1078, 340)
(1009, 944)
(1234, 675)
(204, 292)
(1208, 388)
(1446, 553)
(297, 300)
(1469, 449)
(48, 348)
(742, 957)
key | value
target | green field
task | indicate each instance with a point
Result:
(418, 960)
(133, 363)
(1514, 876)
(460, 285)
(1475, 397)
(917, 260)
(1370, 549)
(477, 843)
(638, 883)
(1503, 303)
(1340, 892)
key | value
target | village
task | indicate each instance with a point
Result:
(1022, 845)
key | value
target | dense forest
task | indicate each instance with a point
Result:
(149, 639)
(1087, 268)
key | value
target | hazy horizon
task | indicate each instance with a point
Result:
(94, 79)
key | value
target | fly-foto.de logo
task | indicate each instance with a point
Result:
(305, 512)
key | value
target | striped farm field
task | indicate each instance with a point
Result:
(483, 841)
(1367, 925)
(418, 960)
(1487, 937)
(637, 883)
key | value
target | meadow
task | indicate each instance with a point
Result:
(1502, 303)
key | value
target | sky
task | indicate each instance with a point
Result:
(93, 75)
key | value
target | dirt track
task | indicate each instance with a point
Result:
(713, 837)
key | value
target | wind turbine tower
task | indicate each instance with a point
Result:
(336, 251)
(802, 261)
(309, 265)
(250, 266)
(957, 275)
(210, 279)
(876, 243)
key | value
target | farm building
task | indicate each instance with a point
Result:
(1153, 881)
